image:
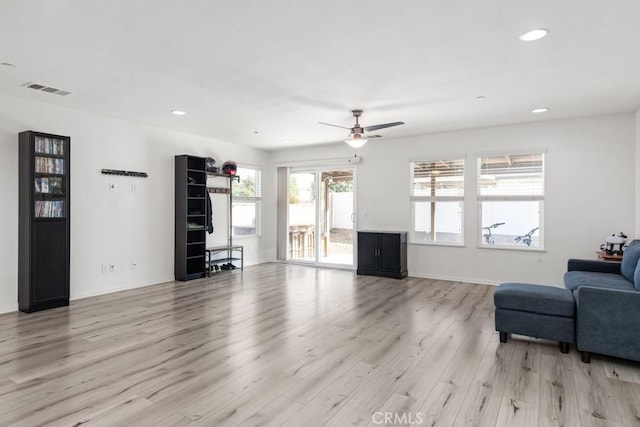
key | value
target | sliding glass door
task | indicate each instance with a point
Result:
(321, 216)
(302, 216)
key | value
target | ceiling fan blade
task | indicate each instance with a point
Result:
(329, 124)
(382, 126)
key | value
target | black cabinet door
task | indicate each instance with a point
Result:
(367, 250)
(382, 253)
(50, 281)
(389, 252)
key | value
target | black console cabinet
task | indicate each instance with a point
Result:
(382, 253)
(43, 224)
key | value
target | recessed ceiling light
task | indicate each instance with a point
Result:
(255, 131)
(179, 112)
(535, 34)
(481, 98)
(540, 110)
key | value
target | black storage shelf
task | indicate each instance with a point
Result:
(190, 208)
(43, 225)
(232, 252)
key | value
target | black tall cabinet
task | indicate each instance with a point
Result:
(43, 225)
(191, 209)
(382, 253)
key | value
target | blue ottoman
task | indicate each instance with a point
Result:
(536, 311)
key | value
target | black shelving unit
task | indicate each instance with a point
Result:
(43, 225)
(190, 217)
(221, 255)
(229, 253)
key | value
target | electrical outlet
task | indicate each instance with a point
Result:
(133, 265)
(105, 268)
(112, 268)
(133, 187)
(112, 186)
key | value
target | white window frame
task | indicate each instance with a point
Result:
(435, 199)
(256, 200)
(540, 198)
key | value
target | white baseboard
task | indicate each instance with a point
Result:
(8, 308)
(455, 279)
(123, 288)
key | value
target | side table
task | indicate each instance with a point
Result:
(603, 256)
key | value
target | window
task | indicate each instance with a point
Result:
(437, 195)
(247, 203)
(511, 200)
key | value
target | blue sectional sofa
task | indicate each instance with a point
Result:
(607, 296)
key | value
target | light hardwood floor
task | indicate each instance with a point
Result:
(298, 346)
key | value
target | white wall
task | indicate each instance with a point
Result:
(590, 192)
(119, 226)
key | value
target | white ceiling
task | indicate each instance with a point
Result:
(278, 67)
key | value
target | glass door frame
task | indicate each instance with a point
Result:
(318, 170)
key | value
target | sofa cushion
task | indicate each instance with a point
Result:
(636, 277)
(531, 298)
(574, 279)
(630, 260)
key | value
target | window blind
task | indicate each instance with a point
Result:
(436, 178)
(517, 176)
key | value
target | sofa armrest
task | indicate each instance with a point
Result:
(607, 322)
(593, 265)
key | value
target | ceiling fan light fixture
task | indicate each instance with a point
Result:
(356, 140)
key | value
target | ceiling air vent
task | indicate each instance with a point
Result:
(48, 89)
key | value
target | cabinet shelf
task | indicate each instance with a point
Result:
(224, 175)
(224, 260)
(53, 156)
(232, 252)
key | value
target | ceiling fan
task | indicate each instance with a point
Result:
(357, 138)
